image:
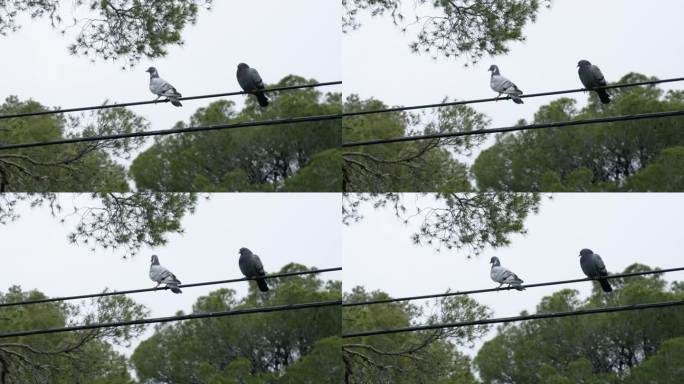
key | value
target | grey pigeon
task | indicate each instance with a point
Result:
(503, 276)
(251, 82)
(251, 266)
(161, 275)
(592, 266)
(592, 78)
(161, 87)
(503, 85)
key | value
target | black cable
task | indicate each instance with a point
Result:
(461, 293)
(164, 132)
(579, 312)
(558, 124)
(206, 315)
(213, 95)
(116, 293)
(487, 100)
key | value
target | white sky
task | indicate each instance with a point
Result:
(280, 228)
(623, 228)
(619, 36)
(305, 43)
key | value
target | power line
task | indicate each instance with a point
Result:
(117, 293)
(492, 99)
(461, 293)
(206, 315)
(579, 312)
(558, 124)
(163, 132)
(213, 95)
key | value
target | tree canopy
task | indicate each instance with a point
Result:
(301, 346)
(65, 358)
(418, 166)
(467, 222)
(412, 357)
(452, 28)
(118, 222)
(82, 167)
(126, 30)
(628, 347)
(286, 157)
(626, 156)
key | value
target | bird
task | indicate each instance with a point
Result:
(592, 78)
(251, 82)
(161, 87)
(503, 85)
(251, 266)
(503, 276)
(161, 275)
(592, 266)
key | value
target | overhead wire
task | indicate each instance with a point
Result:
(164, 132)
(194, 316)
(132, 291)
(136, 103)
(486, 290)
(558, 124)
(494, 99)
(538, 316)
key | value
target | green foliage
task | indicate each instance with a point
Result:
(664, 368)
(122, 222)
(626, 156)
(278, 347)
(249, 159)
(665, 174)
(69, 168)
(419, 166)
(470, 28)
(604, 348)
(327, 355)
(111, 29)
(412, 357)
(65, 358)
(468, 222)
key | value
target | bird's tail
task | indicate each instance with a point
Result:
(516, 284)
(262, 99)
(176, 103)
(605, 285)
(603, 96)
(517, 100)
(174, 288)
(263, 287)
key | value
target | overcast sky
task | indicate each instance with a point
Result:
(622, 228)
(620, 36)
(307, 43)
(280, 228)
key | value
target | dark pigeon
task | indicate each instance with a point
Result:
(592, 266)
(251, 82)
(251, 266)
(592, 78)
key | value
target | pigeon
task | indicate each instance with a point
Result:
(251, 82)
(592, 266)
(503, 85)
(251, 266)
(161, 275)
(592, 78)
(161, 87)
(503, 276)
